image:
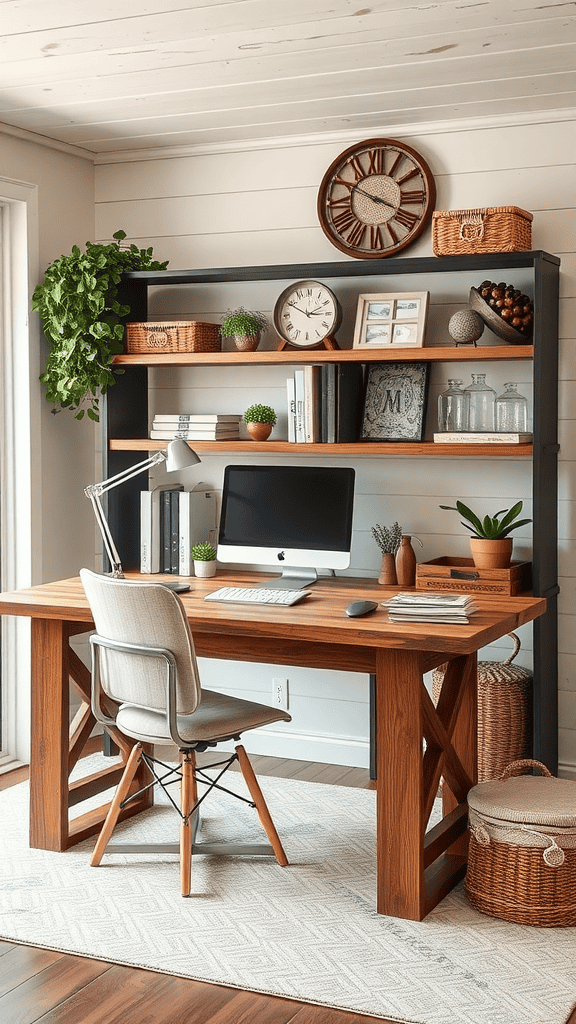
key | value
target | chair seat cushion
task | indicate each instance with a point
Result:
(217, 717)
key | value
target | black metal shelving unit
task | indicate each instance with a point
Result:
(126, 416)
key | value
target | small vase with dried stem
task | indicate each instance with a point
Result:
(388, 540)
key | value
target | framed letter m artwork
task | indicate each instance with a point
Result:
(395, 404)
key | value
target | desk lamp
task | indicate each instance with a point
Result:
(177, 456)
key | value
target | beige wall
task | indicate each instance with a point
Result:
(63, 448)
(258, 206)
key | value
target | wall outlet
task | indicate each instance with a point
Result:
(280, 693)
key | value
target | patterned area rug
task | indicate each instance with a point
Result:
(308, 931)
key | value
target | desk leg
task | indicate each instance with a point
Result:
(49, 735)
(399, 787)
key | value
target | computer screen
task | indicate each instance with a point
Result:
(296, 518)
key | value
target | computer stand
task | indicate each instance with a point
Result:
(293, 579)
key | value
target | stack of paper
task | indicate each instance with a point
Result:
(430, 607)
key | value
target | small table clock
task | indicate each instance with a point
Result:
(307, 315)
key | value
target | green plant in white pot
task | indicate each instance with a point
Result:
(259, 420)
(245, 326)
(204, 557)
(490, 543)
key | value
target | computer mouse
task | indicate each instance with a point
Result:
(360, 608)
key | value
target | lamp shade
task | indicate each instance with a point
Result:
(179, 456)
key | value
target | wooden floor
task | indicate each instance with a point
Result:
(38, 986)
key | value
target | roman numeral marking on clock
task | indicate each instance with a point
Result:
(412, 197)
(395, 163)
(375, 161)
(376, 239)
(409, 174)
(344, 220)
(356, 235)
(406, 218)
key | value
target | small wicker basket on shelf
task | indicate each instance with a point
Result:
(522, 852)
(504, 712)
(488, 229)
(175, 336)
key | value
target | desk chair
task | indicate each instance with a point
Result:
(143, 658)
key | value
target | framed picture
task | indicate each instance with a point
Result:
(395, 402)
(393, 320)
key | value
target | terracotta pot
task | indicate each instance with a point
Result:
(205, 569)
(259, 431)
(246, 342)
(491, 554)
(388, 570)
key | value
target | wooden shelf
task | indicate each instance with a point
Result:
(363, 448)
(414, 355)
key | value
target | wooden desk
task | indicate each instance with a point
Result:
(415, 869)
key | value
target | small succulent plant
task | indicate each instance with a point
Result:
(260, 414)
(203, 552)
(491, 527)
(243, 321)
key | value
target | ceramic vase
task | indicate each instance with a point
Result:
(259, 431)
(205, 569)
(406, 563)
(387, 575)
(491, 554)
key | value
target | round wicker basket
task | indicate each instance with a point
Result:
(504, 713)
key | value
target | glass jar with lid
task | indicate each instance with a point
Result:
(453, 408)
(511, 411)
(481, 407)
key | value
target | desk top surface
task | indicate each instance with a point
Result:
(319, 618)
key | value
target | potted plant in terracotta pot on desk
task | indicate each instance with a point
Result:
(490, 543)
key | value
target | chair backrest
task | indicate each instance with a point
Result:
(148, 615)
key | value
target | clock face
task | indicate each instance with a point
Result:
(306, 313)
(376, 198)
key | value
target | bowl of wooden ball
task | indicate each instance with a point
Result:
(506, 310)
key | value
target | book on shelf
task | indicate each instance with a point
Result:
(150, 528)
(482, 437)
(300, 426)
(328, 416)
(350, 393)
(197, 434)
(291, 409)
(312, 402)
(430, 607)
(197, 523)
(325, 403)
(200, 417)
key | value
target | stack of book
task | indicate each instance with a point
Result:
(451, 608)
(195, 426)
(171, 521)
(326, 403)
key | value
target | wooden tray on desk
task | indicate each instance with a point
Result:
(461, 574)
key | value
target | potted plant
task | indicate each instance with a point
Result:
(83, 321)
(490, 544)
(259, 420)
(204, 557)
(245, 326)
(388, 540)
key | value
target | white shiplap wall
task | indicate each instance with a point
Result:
(258, 206)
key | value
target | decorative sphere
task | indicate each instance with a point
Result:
(466, 326)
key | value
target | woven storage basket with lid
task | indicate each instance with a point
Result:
(504, 712)
(484, 229)
(522, 855)
(175, 336)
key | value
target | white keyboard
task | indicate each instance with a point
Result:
(256, 595)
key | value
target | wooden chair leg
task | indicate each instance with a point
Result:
(114, 810)
(263, 812)
(188, 798)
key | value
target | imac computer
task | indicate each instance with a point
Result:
(295, 518)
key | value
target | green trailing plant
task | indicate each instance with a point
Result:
(203, 552)
(491, 527)
(260, 414)
(243, 321)
(83, 321)
(387, 539)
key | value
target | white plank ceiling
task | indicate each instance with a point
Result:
(130, 75)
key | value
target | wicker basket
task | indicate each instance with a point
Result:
(492, 229)
(522, 854)
(504, 713)
(176, 336)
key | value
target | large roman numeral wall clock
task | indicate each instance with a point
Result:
(376, 198)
